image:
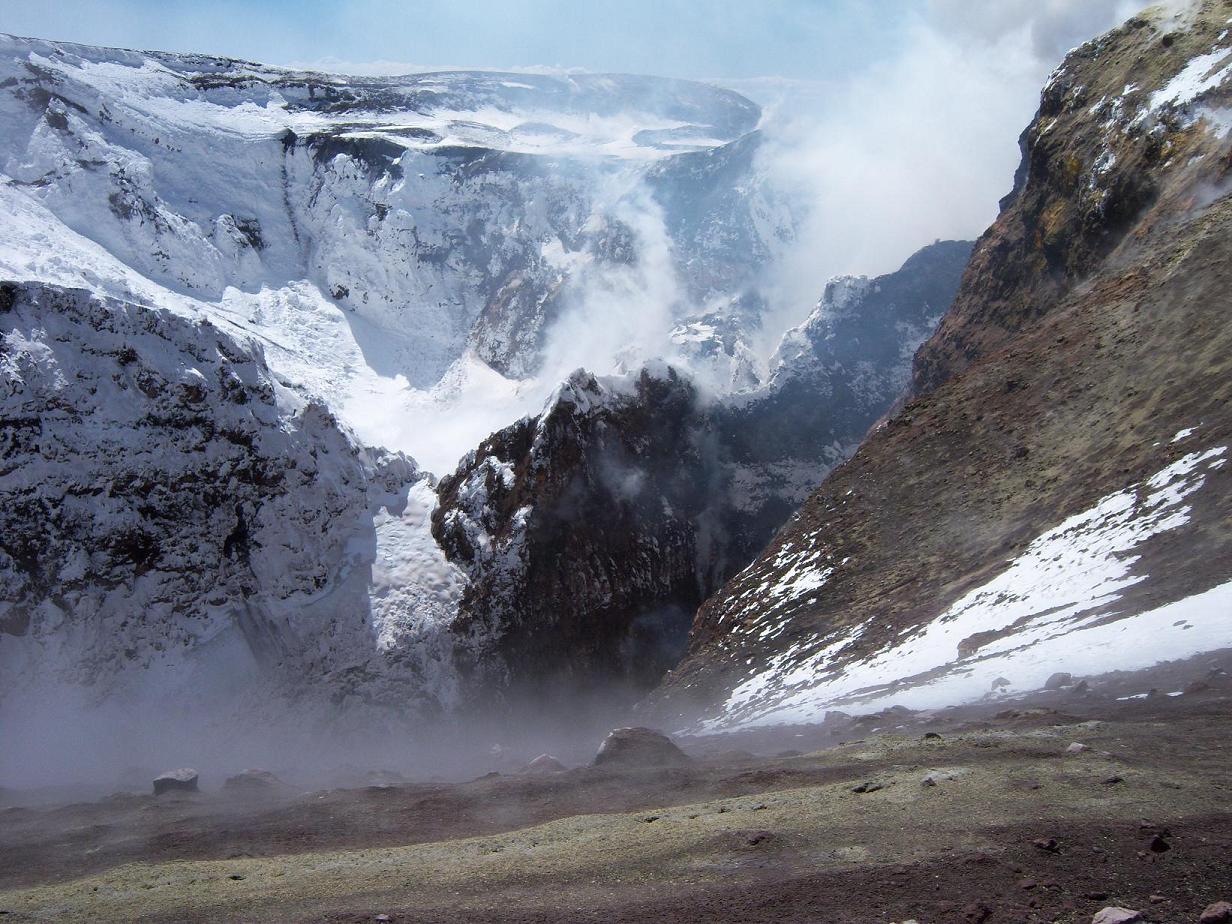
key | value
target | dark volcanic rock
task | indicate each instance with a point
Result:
(182, 780)
(592, 532)
(639, 747)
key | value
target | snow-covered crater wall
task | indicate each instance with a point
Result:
(175, 520)
(442, 212)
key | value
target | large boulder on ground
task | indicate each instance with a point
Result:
(253, 782)
(182, 780)
(639, 747)
(1114, 915)
(1218, 913)
(543, 765)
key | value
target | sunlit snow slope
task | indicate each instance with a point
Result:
(405, 248)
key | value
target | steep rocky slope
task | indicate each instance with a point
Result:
(178, 524)
(1057, 495)
(591, 532)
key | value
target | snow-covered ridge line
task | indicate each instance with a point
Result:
(402, 246)
(1054, 607)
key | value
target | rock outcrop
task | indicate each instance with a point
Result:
(592, 532)
(633, 748)
(182, 780)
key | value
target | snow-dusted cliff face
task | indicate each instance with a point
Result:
(1056, 497)
(177, 523)
(408, 224)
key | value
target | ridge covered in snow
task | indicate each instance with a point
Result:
(390, 240)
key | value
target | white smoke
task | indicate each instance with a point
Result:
(918, 146)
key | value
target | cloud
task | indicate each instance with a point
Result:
(919, 146)
(1053, 26)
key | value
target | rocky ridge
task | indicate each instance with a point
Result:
(591, 532)
(1030, 509)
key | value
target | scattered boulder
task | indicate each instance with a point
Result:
(870, 786)
(1159, 845)
(543, 765)
(253, 782)
(1047, 844)
(1058, 680)
(1076, 748)
(931, 736)
(1218, 913)
(182, 780)
(1116, 915)
(639, 747)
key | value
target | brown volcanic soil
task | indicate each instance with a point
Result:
(1080, 342)
(734, 837)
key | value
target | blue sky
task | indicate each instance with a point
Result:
(803, 39)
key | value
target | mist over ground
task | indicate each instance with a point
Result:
(900, 149)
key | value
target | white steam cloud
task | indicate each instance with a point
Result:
(918, 147)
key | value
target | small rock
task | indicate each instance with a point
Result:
(759, 837)
(1157, 899)
(182, 780)
(931, 736)
(1217, 913)
(1027, 884)
(1113, 780)
(870, 786)
(1115, 915)
(1047, 844)
(382, 918)
(543, 765)
(1076, 748)
(1058, 680)
(236, 877)
(929, 780)
(253, 782)
(1000, 682)
(639, 747)
(1159, 845)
